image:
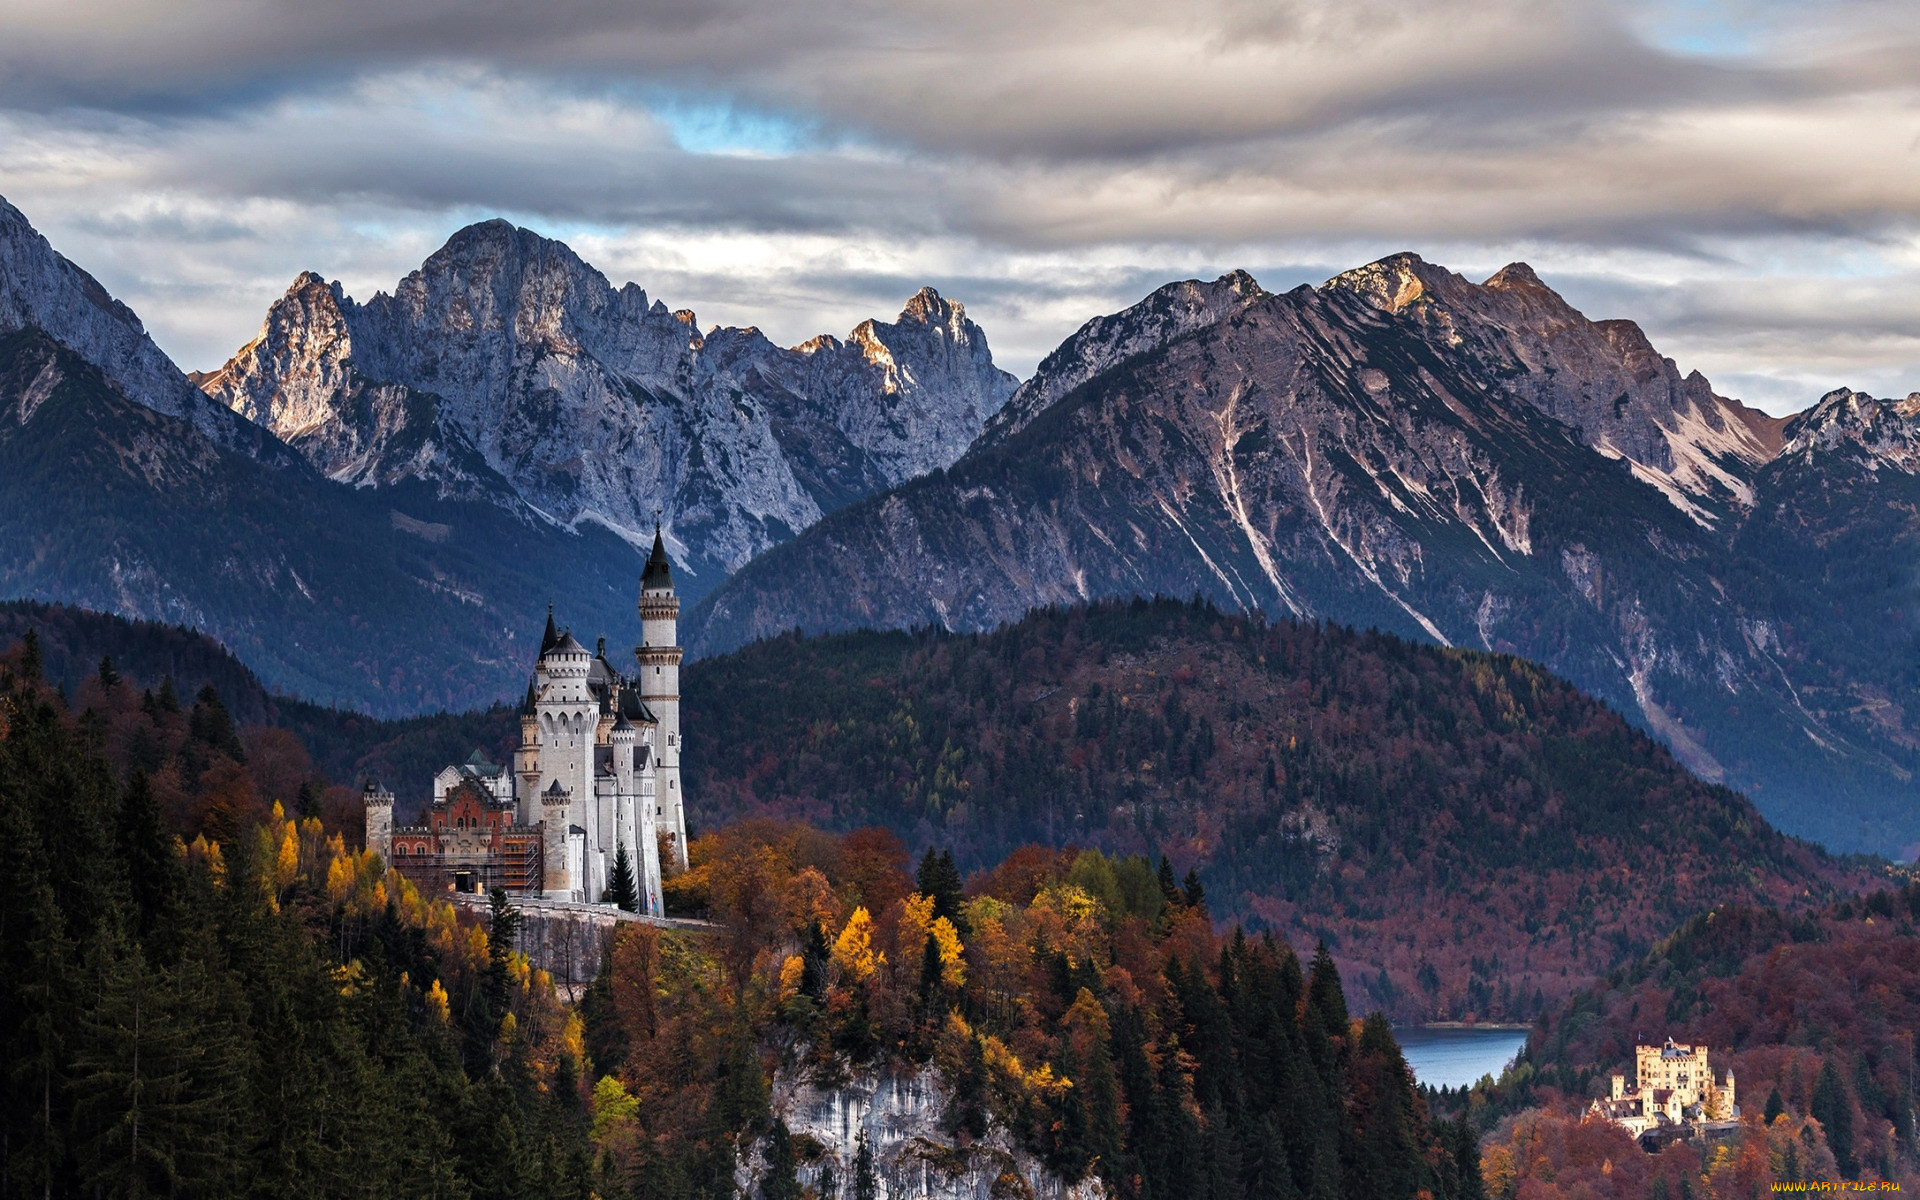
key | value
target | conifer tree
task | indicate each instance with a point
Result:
(210, 725)
(109, 678)
(1168, 887)
(1326, 1001)
(153, 869)
(939, 879)
(620, 889)
(966, 1113)
(1194, 894)
(1832, 1108)
(866, 1184)
(1775, 1105)
(307, 800)
(30, 658)
(782, 1180)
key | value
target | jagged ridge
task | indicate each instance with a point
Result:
(509, 370)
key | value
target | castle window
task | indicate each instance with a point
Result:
(400, 850)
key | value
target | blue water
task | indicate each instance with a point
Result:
(1458, 1057)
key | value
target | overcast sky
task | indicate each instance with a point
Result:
(1740, 176)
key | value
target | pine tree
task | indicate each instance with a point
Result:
(939, 879)
(1194, 895)
(153, 869)
(109, 678)
(782, 1180)
(1834, 1110)
(211, 726)
(1775, 1105)
(966, 1113)
(307, 800)
(1326, 1001)
(866, 1184)
(1168, 887)
(620, 889)
(30, 657)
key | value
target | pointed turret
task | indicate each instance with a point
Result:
(551, 637)
(659, 572)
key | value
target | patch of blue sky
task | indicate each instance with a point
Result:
(707, 126)
(1703, 28)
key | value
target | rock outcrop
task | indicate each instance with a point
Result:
(509, 370)
(912, 1156)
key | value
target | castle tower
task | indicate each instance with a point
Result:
(659, 656)
(557, 883)
(379, 802)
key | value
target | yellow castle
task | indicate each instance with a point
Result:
(1675, 1086)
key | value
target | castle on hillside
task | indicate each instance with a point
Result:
(597, 774)
(1675, 1087)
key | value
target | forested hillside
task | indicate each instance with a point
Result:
(1814, 1012)
(1472, 836)
(73, 641)
(202, 995)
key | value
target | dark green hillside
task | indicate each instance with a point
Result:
(397, 601)
(1471, 835)
(73, 641)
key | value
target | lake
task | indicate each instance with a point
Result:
(1457, 1057)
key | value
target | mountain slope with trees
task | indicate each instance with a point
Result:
(1815, 1013)
(1472, 836)
(202, 995)
(1476, 464)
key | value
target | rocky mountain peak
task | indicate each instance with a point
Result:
(41, 289)
(509, 368)
(929, 308)
(1515, 276)
(1167, 314)
(1397, 281)
(1872, 432)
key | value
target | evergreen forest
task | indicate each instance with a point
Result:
(207, 990)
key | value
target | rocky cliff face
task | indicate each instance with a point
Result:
(1471, 464)
(1856, 428)
(913, 1156)
(40, 289)
(507, 369)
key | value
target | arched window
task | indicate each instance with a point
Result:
(400, 851)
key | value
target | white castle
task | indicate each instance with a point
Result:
(597, 774)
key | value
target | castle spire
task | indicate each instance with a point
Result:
(659, 572)
(551, 637)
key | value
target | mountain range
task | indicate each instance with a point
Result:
(1472, 464)
(371, 501)
(508, 371)
(396, 550)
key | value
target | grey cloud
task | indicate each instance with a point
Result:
(1043, 162)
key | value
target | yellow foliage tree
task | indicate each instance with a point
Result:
(853, 949)
(953, 967)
